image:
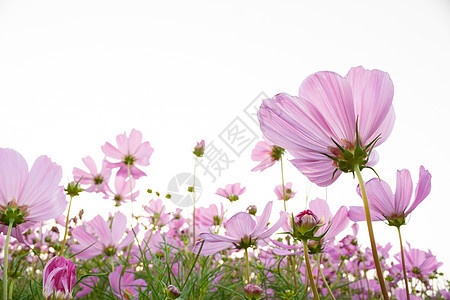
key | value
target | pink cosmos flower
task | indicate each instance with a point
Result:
(267, 154)
(210, 216)
(199, 149)
(419, 264)
(289, 193)
(96, 180)
(231, 191)
(319, 127)
(122, 190)
(99, 237)
(59, 277)
(30, 196)
(156, 211)
(242, 232)
(384, 205)
(130, 152)
(125, 287)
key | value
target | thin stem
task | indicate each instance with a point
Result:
(308, 268)
(371, 235)
(282, 183)
(403, 263)
(131, 194)
(247, 271)
(6, 260)
(193, 195)
(112, 263)
(330, 292)
(66, 229)
(11, 288)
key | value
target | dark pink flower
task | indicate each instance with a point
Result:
(59, 277)
(96, 180)
(324, 116)
(31, 195)
(131, 152)
(266, 154)
(199, 149)
(231, 191)
(242, 232)
(384, 205)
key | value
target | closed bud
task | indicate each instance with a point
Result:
(199, 149)
(305, 221)
(252, 210)
(173, 292)
(252, 291)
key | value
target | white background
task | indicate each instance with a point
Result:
(74, 74)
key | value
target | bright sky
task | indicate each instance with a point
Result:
(74, 74)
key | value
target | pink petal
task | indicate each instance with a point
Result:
(373, 91)
(266, 234)
(380, 197)
(403, 191)
(338, 223)
(102, 229)
(90, 164)
(111, 151)
(356, 214)
(13, 173)
(320, 209)
(135, 140)
(118, 227)
(423, 189)
(263, 220)
(240, 225)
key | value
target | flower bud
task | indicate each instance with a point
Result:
(252, 291)
(173, 292)
(305, 221)
(59, 278)
(73, 189)
(199, 149)
(252, 210)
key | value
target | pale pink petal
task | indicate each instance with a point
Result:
(263, 220)
(134, 140)
(129, 238)
(240, 225)
(320, 209)
(13, 173)
(210, 248)
(143, 153)
(332, 95)
(373, 91)
(338, 223)
(403, 191)
(266, 234)
(380, 197)
(356, 214)
(90, 164)
(423, 189)
(122, 143)
(118, 227)
(102, 229)
(214, 238)
(111, 151)
(85, 177)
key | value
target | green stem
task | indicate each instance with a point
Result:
(112, 263)
(403, 264)
(6, 261)
(247, 272)
(11, 288)
(193, 195)
(308, 268)
(330, 292)
(66, 229)
(282, 183)
(131, 194)
(371, 235)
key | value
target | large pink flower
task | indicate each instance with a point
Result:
(242, 232)
(384, 205)
(33, 195)
(97, 180)
(131, 151)
(319, 125)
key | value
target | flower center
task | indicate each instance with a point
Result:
(129, 160)
(98, 179)
(12, 212)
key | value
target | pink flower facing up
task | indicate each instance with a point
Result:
(231, 191)
(59, 277)
(209, 216)
(319, 128)
(266, 154)
(130, 153)
(100, 237)
(96, 180)
(122, 191)
(242, 232)
(27, 197)
(125, 287)
(289, 193)
(384, 205)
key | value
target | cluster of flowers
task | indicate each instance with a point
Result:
(331, 128)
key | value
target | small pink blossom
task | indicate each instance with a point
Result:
(96, 180)
(122, 191)
(231, 191)
(242, 232)
(266, 154)
(125, 286)
(289, 193)
(131, 152)
(59, 277)
(419, 264)
(199, 149)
